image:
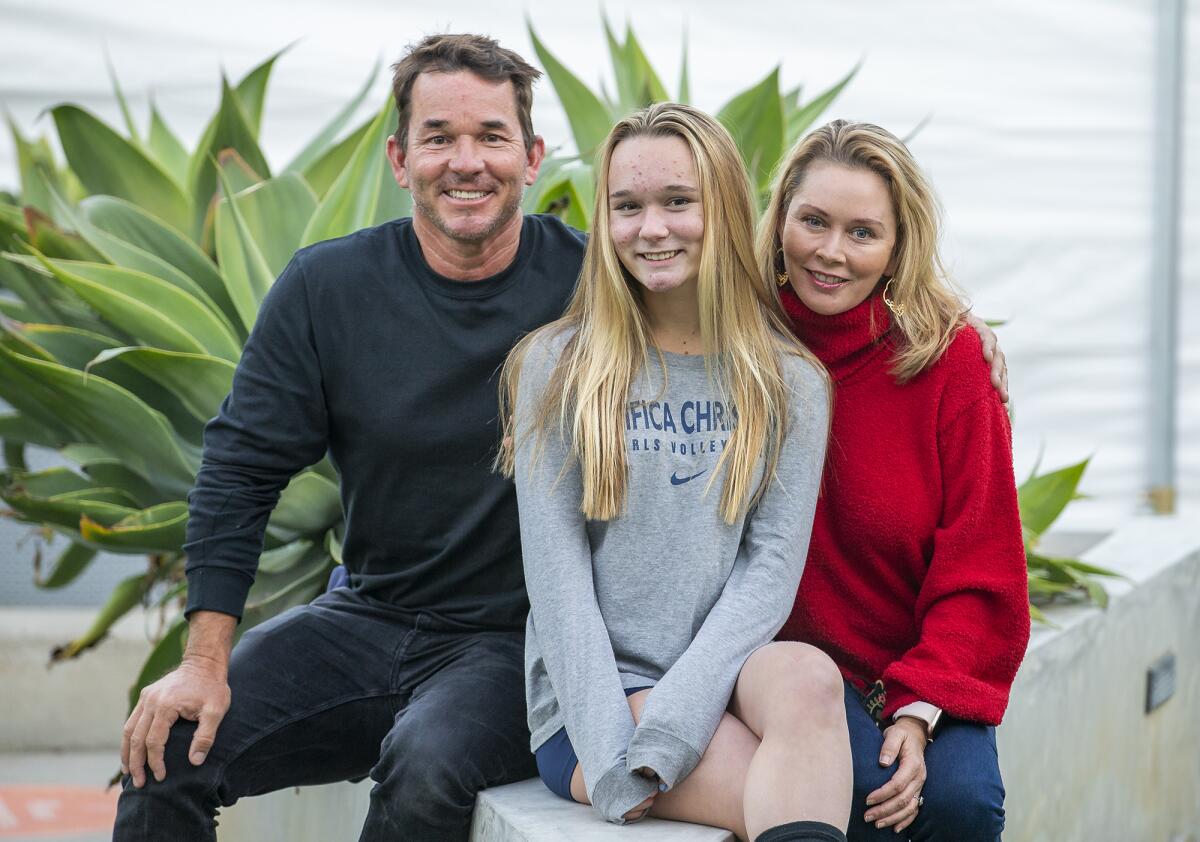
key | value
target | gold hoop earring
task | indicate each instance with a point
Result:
(897, 309)
(781, 278)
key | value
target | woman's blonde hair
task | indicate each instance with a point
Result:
(743, 329)
(932, 310)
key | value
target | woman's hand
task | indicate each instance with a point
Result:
(895, 803)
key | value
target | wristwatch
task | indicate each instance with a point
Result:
(929, 715)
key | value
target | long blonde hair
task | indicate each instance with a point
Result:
(932, 309)
(743, 330)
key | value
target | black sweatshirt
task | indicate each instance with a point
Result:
(362, 350)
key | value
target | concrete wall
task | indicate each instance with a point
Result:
(1081, 758)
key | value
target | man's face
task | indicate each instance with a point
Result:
(466, 163)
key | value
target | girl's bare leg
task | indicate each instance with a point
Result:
(782, 756)
(790, 695)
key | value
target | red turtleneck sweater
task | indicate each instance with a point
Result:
(916, 568)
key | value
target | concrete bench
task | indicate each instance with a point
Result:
(1080, 756)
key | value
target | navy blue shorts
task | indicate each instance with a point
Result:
(556, 759)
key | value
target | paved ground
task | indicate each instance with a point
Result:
(57, 797)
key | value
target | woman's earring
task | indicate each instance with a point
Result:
(897, 309)
(781, 277)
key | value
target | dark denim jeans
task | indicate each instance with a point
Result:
(964, 796)
(344, 688)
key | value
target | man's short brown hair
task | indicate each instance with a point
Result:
(478, 54)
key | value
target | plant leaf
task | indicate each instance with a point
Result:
(275, 213)
(309, 505)
(199, 381)
(322, 142)
(800, 119)
(145, 307)
(755, 119)
(107, 163)
(124, 597)
(252, 91)
(73, 561)
(229, 129)
(247, 275)
(122, 103)
(97, 411)
(166, 147)
(1041, 499)
(324, 171)
(158, 529)
(588, 117)
(133, 225)
(354, 198)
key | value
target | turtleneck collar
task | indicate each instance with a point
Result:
(843, 342)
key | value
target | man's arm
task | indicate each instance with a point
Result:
(271, 425)
(197, 690)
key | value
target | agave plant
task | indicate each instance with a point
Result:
(132, 275)
(764, 121)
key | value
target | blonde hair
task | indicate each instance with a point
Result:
(743, 329)
(933, 310)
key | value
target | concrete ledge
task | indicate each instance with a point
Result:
(1081, 758)
(75, 705)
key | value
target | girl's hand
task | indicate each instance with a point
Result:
(642, 809)
(895, 803)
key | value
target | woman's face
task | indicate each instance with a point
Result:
(654, 211)
(838, 235)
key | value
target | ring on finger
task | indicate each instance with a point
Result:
(920, 799)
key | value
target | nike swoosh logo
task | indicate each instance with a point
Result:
(676, 480)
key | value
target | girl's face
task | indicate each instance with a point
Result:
(838, 235)
(654, 212)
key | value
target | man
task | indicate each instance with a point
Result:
(381, 348)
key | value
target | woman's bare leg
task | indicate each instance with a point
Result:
(791, 693)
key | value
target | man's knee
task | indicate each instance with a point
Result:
(424, 777)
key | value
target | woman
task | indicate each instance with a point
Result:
(666, 437)
(915, 583)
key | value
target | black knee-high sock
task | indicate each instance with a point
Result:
(802, 832)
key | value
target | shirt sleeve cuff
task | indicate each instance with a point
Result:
(670, 757)
(618, 791)
(217, 589)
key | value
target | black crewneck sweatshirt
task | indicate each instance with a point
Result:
(361, 350)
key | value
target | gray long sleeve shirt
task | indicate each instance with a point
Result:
(667, 594)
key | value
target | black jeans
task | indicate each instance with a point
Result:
(339, 689)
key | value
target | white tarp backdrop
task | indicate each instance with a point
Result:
(1039, 140)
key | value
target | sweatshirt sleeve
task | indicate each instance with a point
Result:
(972, 609)
(570, 630)
(683, 710)
(272, 424)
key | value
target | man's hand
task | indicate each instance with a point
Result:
(895, 803)
(993, 354)
(196, 690)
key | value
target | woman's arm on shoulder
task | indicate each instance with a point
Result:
(571, 634)
(683, 710)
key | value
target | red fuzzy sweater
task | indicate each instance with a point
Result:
(916, 569)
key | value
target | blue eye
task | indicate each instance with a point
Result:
(862, 233)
